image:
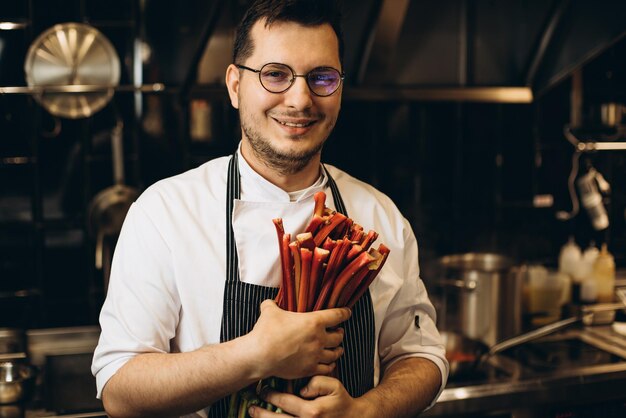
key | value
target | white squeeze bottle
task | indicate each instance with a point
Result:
(569, 258)
(588, 259)
(569, 263)
(604, 275)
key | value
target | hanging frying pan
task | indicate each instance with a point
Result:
(72, 54)
(108, 208)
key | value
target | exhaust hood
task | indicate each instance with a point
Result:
(477, 50)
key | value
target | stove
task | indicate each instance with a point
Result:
(549, 356)
(556, 354)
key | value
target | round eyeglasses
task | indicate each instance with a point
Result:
(277, 78)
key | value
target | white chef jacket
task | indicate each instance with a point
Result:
(169, 267)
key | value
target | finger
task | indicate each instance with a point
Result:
(289, 403)
(320, 386)
(331, 355)
(334, 338)
(324, 369)
(333, 317)
(258, 412)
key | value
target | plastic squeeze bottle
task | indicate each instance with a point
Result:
(604, 275)
(570, 259)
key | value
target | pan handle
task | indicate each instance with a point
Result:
(458, 284)
(117, 152)
(532, 335)
(99, 248)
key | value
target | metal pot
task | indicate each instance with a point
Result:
(482, 296)
(17, 381)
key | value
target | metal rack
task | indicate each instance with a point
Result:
(591, 146)
(39, 226)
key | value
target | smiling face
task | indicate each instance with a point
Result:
(285, 132)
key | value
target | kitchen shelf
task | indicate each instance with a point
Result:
(591, 146)
(73, 89)
(17, 161)
(14, 25)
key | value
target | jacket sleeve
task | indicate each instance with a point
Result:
(141, 310)
(409, 326)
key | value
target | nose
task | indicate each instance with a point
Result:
(299, 95)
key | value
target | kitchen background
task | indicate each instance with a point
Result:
(456, 109)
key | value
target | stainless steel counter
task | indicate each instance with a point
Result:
(510, 389)
(64, 386)
(513, 388)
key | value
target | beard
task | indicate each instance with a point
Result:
(285, 162)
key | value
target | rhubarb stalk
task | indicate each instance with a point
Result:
(359, 263)
(371, 275)
(295, 287)
(320, 255)
(306, 257)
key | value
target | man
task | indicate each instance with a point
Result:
(187, 319)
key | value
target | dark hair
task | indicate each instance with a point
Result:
(304, 12)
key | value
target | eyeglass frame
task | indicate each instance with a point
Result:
(293, 78)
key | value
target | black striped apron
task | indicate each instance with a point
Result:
(242, 300)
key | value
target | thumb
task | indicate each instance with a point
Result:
(268, 304)
(320, 386)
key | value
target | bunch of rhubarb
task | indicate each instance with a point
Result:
(330, 265)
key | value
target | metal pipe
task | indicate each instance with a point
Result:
(207, 31)
(546, 38)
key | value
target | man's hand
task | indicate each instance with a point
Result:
(323, 397)
(293, 345)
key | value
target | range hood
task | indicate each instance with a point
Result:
(481, 50)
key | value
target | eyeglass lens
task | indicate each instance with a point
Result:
(277, 78)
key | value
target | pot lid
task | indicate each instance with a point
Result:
(487, 262)
(70, 54)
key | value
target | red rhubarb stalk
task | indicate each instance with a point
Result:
(356, 281)
(369, 278)
(355, 230)
(288, 291)
(320, 256)
(306, 257)
(329, 244)
(369, 239)
(293, 296)
(361, 262)
(279, 298)
(305, 240)
(355, 250)
(351, 287)
(320, 203)
(344, 230)
(325, 230)
(336, 260)
(285, 261)
(315, 223)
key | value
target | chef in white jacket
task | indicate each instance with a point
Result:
(189, 316)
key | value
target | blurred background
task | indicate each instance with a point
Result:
(477, 117)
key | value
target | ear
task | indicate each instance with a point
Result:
(232, 84)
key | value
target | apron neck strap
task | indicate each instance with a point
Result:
(339, 205)
(232, 192)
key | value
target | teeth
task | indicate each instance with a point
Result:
(295, 125)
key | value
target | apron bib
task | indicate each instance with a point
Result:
(242, 301)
